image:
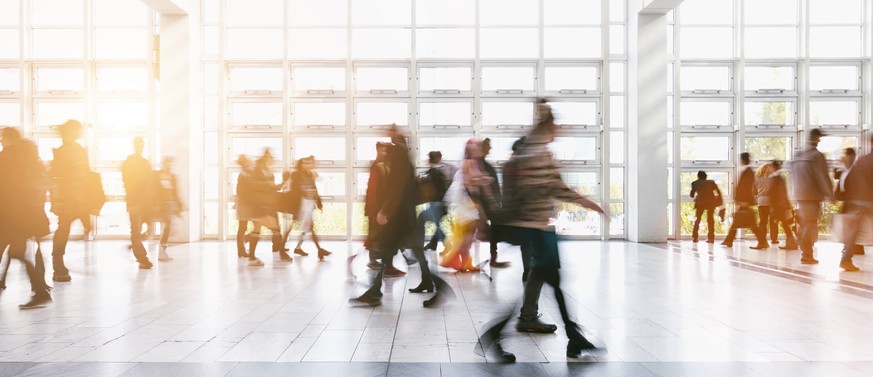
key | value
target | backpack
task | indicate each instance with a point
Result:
(432, 185)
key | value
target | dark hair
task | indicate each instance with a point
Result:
(745, 157)
(434, 156)
(516, 146)
(701, 174)
(849, 151)
(303, 160)
(777, 164)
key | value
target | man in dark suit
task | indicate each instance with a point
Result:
(706, 196)
(744, 199)
(138, 177)
(848, 159)
(69, 172)
(858, 194)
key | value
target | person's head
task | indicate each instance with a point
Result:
(518, 144)
(167, 162)
(815, 136)
(745, 158)
(765, 170)
(701, 174)
(486, 146)
(9, 136)
(382, 150)
(392, 131)
(244, 161)
(545, 120)
(777, 164)
(473, 149)
(434, 157)
(70, 131)
(848, 157)
(306, 163)
(266, 159)
(138, 145)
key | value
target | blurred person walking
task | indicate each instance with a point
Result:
(707, 197)
(264, 195)
(840, 174)
(744, 200)
(244, 203)
(781, 210)
(492, 205)
(812, 185)
(434, 184)
(139, 179)
(170, 202)
(375, 199)
(857, 189)
(763, 196)
(469, 190)
(304, 201)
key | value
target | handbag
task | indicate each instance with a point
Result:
(744, 217)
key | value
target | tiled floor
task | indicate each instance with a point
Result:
(654, 310)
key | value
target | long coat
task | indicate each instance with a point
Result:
(22, 193)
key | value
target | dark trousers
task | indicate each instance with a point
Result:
(433, 213)
(35, 270)
(765, 219)
(807, 229)
(851, 248)
(165, 231)
(62, 235)
(710, 223)
(139, 250)
(759, 234)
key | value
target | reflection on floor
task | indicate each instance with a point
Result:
(655, 310)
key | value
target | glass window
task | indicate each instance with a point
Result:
(585, 183)
(112, 183)
(835, 11)
(57, 12)
(121, 13)
(309, 44)
(60, 80)
(331, 183)
(319, 13)
(121, 43)
(694, 113)
(705, 78)
(508, 79)
(210, 113)
(436, 114)
(833, 77)
(318, 80)
(706, 42)
(254, 43)
(365, 148)
(574, 148)
(707, 12)
(56, 113)
(771, 42)
(832, 146)
(616, 111)
(46, 146)
(777, 113)
(507, 113)
(721, 178)
(255, 79)
(572, 43)
(771, 12)
(705, 148)
(58, 43)
(769, 78)
(256, 114)
(122, 115)
(768, 148)
(319, 113)
(445, 43)
(210, 218)
(452, 148)
(113, 219)
(616, 77)
(122, 79)
(115, 149)
(9, 44)
(210, 183)
(381, 12)
(323, 148)
(616, 147)
(254, 13)
(834, 113)
(210, 148)
(381, 113)
(445, 12)
(837, 41)
(501, 148)
(574, 79)
(508, 43)
(381, 43)
(254, 147)
(9, 12)
(575, 113)
(445, 79)
(10, 114)
(616, 39)
(211, 40)
(572, 219)
(571, 12)
(617, 12)
(508, 12)
(382, 79)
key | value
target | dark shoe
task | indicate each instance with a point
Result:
(300, 252)
(848, 266)
(436, 301)
(62, 278)
(370, 301)
(283, 255)
(524, 275)
(789, 247)
(809, 261)
(393, 272)
(694, 240)
(431, 246)
(323, 253)
(373, 265)
(145, 265)
(710, 241)
(760, 246)
(727, 244)
(496, 264)
(504, 356)
(37, 301)
(535, 326)
(576, 346)
(411, 261)
(428, 288)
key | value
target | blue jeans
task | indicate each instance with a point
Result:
(433, 213)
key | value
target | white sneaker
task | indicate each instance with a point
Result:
(255, 262)
(162, 254)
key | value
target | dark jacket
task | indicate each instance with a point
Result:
(809, 173)
(300, 181)
(745, 190)
(22, 193)
(491, 197)
(264, 194)
(859, 182)
(778, 193)
(400, 197)
(244, 196)
(375, 189)
(69, 172)
(139, 185)
(706, 194)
